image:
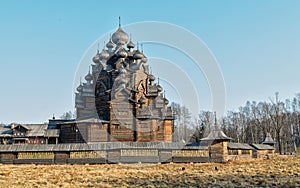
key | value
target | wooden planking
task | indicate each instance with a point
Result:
(168, 130)
(123, 134)
(61, 157)
(68, 134)
(97, 134)
(35, 155)
(87, 154)
(190, 153)
(140, 152)
(113, 156)
(87, 161)
(33, 161)
(139, 159)
(190, 159)
(8, 158)
(165, 154)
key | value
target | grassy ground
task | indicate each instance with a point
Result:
(281, 171)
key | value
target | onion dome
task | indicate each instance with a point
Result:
(104, 54)
(110, 44)
(96, 58)
(142, 100)
(159, 88)
(122, 53)
(79, 88)
(137, 55)
(130, 44)
(120, 37)
(88, 77)
(166, 101)
(151, 77)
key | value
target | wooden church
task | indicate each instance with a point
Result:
(120, 100)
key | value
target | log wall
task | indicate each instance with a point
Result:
(218, 152)
(168, 131)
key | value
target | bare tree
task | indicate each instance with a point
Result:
(183, 124)
(277, 118)
(250, 123)
(202, 125)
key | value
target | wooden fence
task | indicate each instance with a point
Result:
(102, 153)
(128, 152)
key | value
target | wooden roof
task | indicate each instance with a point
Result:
(88, 120)
(268, 139)
(241, 146)
(5, 131)
(262, 147)
(36, 129)
(21, 125)
(97, 146)
(216, 135)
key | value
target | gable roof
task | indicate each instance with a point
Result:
(21, 125)
(36, 129)
(241, 146)
(262, 147)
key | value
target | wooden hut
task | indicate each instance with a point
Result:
(239, 151)
(217, 142)
(28, 134)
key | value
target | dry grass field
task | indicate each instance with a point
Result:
(281, 171)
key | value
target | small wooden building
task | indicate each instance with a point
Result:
(262, 150)
(217, 142)
(28, 134)
(239, 151)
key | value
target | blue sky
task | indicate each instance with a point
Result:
(256, 43)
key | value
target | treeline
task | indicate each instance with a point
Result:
(249, 124)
